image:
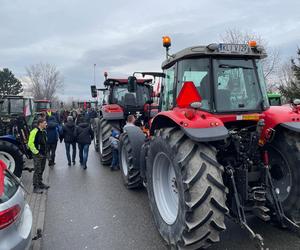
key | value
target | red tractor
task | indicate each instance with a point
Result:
(216, 147)
(122, 97)
(42, 105)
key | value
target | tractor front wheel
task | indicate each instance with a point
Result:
(186, 191)
(284, 154)
(104, 133)
(12, 157)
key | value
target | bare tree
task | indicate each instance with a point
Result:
(270, 64)
(45, 80)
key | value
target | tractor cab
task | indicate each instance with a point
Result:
(274, 99)
(84, 105)
(131, 100)
(220, 78)
(15, 106)
(42, 105)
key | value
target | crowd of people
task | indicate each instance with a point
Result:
(74, 129)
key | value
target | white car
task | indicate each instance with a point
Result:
(15, 217)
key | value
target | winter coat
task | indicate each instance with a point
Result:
(38, 141)
(84, 133)
(68, 133)
(52, 132)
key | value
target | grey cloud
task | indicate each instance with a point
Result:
(124, 36)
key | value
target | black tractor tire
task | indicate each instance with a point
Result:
(11, 151)
(129, 158)
(95, 128)
(105, 151)
(201, 192)
(284, 156)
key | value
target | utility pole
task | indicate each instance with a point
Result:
(94, 73)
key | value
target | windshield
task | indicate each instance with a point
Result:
(122, 96)
(4, 106)
(42, 105)
(16, 106)
(236, 85)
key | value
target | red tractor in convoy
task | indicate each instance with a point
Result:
(42, 106)
(122, 97)
(215, 148)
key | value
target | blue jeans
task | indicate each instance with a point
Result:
(115, 158)
(68, 147)
(83, 153)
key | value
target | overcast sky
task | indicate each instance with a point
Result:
(125, 36)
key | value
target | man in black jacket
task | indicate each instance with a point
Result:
(68, 135)
(84, 135)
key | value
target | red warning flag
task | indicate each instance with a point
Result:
(2, 174)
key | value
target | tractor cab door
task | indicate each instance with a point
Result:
(167, 99)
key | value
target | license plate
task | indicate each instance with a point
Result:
(233, 48)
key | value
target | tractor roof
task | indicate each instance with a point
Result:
(113, 81)
(274, 95)
(46, 101)
(12, 97)
(218, 50)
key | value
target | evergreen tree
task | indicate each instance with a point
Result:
(9, 84)
(291, 90)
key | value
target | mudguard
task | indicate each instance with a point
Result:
(294, 126)
(136, 139)
(9, 138)
(281, 116)
(202, 127)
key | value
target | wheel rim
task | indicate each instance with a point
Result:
(281, 174)
(124, 157)
(8, 160)
(165, 188)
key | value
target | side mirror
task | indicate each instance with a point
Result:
(132, 84)
(94, 91)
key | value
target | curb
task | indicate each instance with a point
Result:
(37, 203)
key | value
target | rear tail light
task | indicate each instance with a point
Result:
(9, 215)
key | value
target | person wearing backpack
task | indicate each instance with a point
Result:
(53, 133)
(68, 135)
(84, 135)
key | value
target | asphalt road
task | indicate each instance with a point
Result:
(91, 209)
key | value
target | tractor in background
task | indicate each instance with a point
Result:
(216, 148)
(122, 97)
(274, 99)
(15, 116)
(42, 106)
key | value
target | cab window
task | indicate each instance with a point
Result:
(196, 71)
(168, 89)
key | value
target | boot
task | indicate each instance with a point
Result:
(37, 190)
(44, 186)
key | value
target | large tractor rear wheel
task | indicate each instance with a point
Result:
(105, 151)
(284, 154)
(12, 157)
(186, 191)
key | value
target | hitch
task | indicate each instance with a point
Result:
(241, 218)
